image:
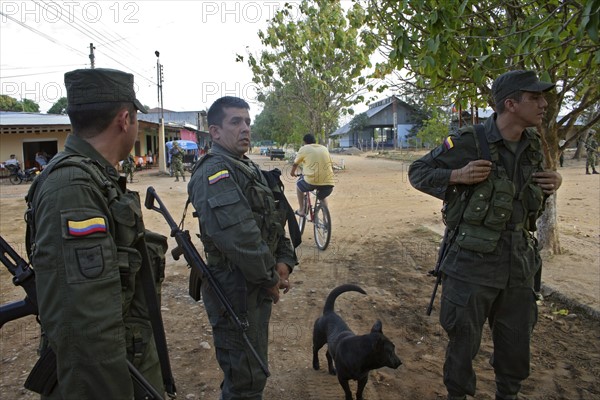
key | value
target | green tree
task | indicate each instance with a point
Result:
(280, 120)
(321, 55)
(8, 103)
(30, 106)
(60, 107)
(456, 49)
(435, 129)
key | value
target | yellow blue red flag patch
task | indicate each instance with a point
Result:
(448, 143)
(216, 177)
(86, 227)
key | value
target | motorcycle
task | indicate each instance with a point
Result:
(17, 175)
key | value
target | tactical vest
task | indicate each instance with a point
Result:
(268, 211)
(477, 215)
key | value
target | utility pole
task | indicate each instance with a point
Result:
(92, 56)
(162, 153)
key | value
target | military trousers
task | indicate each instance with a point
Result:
(243, 377)
(511, 314)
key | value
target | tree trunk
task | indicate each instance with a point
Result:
(547, 228)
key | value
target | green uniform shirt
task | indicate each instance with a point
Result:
(236, 218)
(91, 305)
(515, 260)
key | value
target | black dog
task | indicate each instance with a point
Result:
(354, 355)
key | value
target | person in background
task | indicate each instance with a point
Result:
(41, 159)
(12, 161)
(177, 161)
(490, 209)
(317, 171)
(591, 148)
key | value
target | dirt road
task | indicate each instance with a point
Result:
(385, 238)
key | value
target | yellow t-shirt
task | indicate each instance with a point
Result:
(316, 164)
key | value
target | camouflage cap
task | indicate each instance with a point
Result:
(100, 85)
(513, 81)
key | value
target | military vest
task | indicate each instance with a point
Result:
(268, 212)
(477, 215)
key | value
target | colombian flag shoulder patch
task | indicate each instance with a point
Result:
(448, 143)
(216, 177)
(86, 227)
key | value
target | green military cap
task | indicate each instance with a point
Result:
(100, 85)
(513, 81)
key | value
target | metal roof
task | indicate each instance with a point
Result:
(11, 118)
(370, 112)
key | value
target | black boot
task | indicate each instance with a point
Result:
(587, 171)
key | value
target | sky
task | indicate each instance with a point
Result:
(198, 41)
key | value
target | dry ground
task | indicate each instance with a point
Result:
(385, 238)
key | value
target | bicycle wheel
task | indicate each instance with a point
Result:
(302, 220)
(15, 179)
(322, 223)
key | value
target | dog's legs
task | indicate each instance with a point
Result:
(330, 363)
(362, 382)
(318, 342)
(346, 387)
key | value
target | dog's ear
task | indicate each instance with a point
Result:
(377, 327)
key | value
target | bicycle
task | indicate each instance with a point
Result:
(319, 216)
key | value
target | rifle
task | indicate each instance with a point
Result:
(42, 378)
(195, 261)
(436, 271)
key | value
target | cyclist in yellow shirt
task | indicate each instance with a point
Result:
(317, 171)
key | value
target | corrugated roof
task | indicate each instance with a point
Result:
(11, 118)
(370, 112)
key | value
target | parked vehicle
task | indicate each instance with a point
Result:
(276, 153)
(17, 175)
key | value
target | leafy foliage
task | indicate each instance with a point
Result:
(60, 107)
(8, 103)
(456, 49)
(279, 120)
(435, 129)
(321, 56)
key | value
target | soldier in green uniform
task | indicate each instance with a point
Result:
(245, 243)
(86, 230)
(491, 207)
(177, 161)
(129, 167)
(591, 147)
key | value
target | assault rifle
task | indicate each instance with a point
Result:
(42, 378)
(186, 248)
(436, 271)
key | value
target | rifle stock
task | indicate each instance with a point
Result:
(186, 248)
(42, 377)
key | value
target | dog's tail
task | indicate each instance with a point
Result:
(336, 292)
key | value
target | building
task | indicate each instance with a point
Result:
(25, 134)
(388, 124)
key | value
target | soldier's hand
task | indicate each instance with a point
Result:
(273, 292)
(284, 277)
(548, 181)
(474, 172)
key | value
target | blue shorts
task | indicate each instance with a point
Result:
(322, 191)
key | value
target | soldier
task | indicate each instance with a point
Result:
(245, 243)
(129, 167)
(177, 161)
(494, 188)
(591, 147)
(87, 237)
